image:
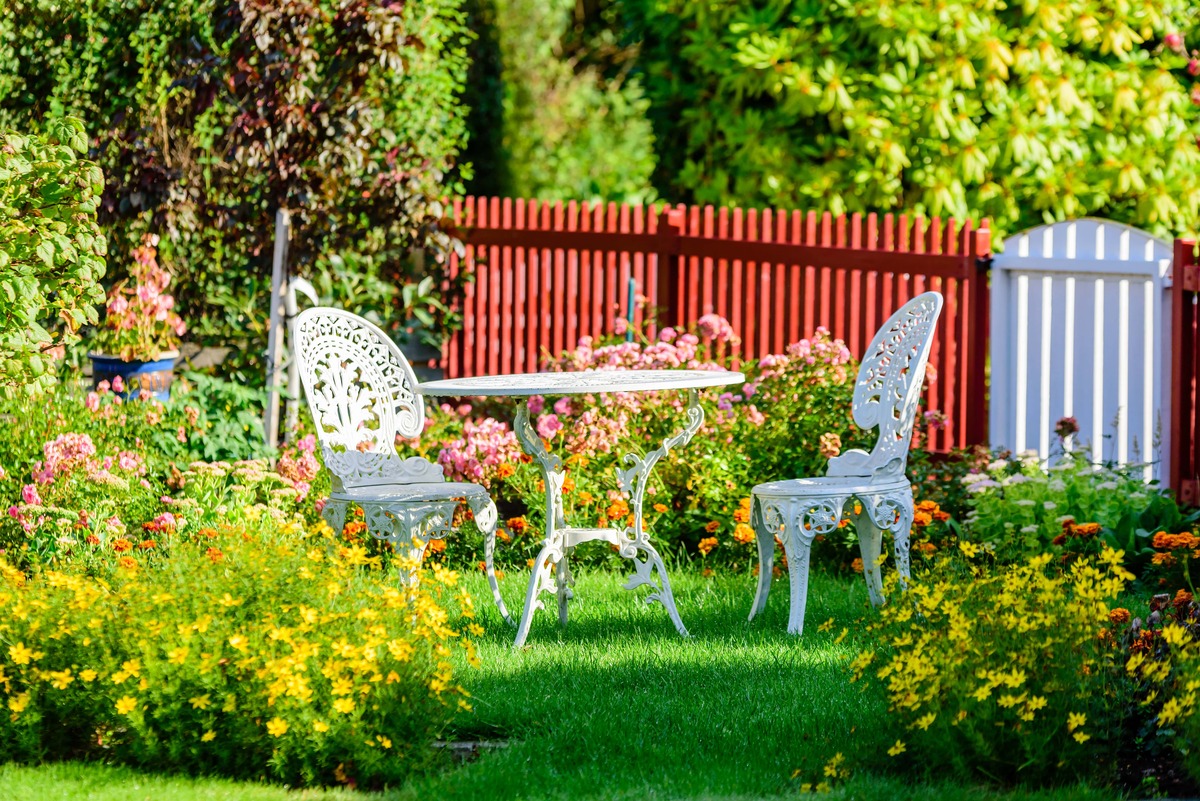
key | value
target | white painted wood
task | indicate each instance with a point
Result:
(1080, 329)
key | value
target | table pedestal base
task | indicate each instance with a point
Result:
(551, 570)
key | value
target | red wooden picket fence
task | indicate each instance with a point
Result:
(1185, 369)
(546, 274)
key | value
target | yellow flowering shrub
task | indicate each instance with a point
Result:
(1009, 674)
(252, 650)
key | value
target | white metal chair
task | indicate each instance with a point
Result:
(886, 396)
(362, 394)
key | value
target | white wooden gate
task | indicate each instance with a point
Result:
(1081, 328)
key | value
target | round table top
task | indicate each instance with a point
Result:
(580, 383)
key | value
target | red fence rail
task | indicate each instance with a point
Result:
(547, 274)
(1185, 368)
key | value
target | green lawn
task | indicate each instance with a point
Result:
(619, 706)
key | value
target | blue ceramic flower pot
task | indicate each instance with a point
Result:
(155, 376)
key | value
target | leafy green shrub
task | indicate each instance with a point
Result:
(240, 650)
(51, 250)
(1008, 674)
(1024, 113)
(1021, 509)
(208, 116)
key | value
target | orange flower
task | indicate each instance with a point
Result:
(857, 564)
(743, 533)
(516, 524)
(502, 535)
(214, 555)
(127, 563)
(927, 506)
(209, 533)
(569, 484)
(1087, 529)
(505, 470)
(1165, 559)
(1170, 542)
(437, 546)
(922, 518)
(1182, 598)
(707, 572)
(706, 545)
(147, 545)
(941, 516)
(926, 547)
(121, 545)
(1119, 615)
(712, 526)
(586, 498)
(661, 508)
(742, 515)
(92, 539)
(618, 509)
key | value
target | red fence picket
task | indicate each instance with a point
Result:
(547, 274)
(1185, 367)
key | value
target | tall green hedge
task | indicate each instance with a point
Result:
(51, 251)
(1022, 112)
(208, 115)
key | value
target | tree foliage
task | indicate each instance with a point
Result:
(1023, 112)
(547, 122)
(51, 250)
(208, 115)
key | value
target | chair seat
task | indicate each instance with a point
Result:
(828, 485)
(404, 493)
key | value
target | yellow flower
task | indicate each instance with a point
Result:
(706, 545)
(177, 656)
(969, 549)
(238, 642)
(897, 749)
(277, 727)
(21, 655)
(1075, 720)
(826, 626)
(200, 701)
(88, 675)
(208, 736)
(18, 703)
(344, 705)
(1081, 738)
(925, 721)
(320, 726)
(60, 679)
(126, 705)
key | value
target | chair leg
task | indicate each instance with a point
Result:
(799, 552)
(801, 519)
(486, 518)
(334, 514)
(870, 544)
(892, 512)
(766, 557)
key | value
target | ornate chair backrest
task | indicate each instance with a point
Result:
(362, 394)
(888, 389)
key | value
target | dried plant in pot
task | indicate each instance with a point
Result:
(136, 347)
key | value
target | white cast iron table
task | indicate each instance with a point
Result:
(631, 541)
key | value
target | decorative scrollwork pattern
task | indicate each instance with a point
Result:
(888, 389)
(362, 394)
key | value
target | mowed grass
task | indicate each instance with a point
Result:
(618, 706)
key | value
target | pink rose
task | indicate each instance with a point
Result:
(535, 404)
(29, 494)
(118, 384)
(548, 425)
(1174, 41)
(620, 326)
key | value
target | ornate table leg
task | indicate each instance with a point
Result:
(634, 538)
(486, 518)
(554, 550)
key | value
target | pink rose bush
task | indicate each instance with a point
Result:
(488, 450)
